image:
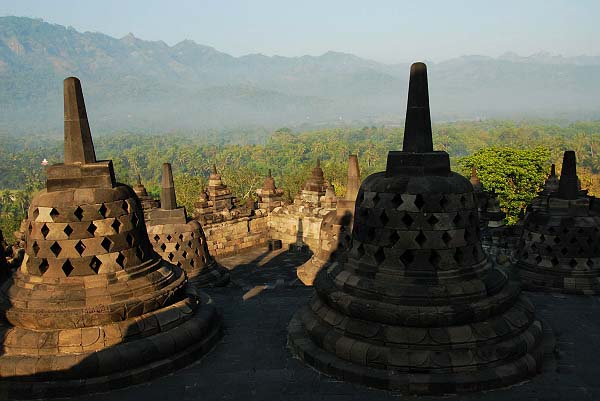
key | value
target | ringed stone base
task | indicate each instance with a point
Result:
(156, 343)
(413, 381)
(543, 280)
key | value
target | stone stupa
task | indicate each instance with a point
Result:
(417, 306)
(148, 203)
(336, 228)
(559, 248)
(93, 307)
(313, 189)
(269, 196)
(180, 241)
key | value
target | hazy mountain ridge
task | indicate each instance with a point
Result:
(149, 86)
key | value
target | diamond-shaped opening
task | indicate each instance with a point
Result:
(92, 228)
(203, 259)
(407, 257)
(443, 202)
(30, 228)
(538, 259)
(178, 263)
(68, 230)
(557, 240)
(103, 209)
(180, 237)
(383, 217)
(379, 256)
(554, 261)
(169, 238)
(43, 266)
(67, 267)
(45, 230)
(420, 238)
(457, 220)
(432, 220)
(78, 213)
(525, 255)
(106, 244)
(80, 247)
(156, 238)
(548, 249)
(170, 256)
(130, 239)
(116, 225)
(564, 251)
(446, 237)
(360, 250)
(463, 201)
(197, 252)
(459, 256)
(134, 219)
(177, 246)
(434, 258)
(551, 230)
(36, 213)
(371, 233)
(376, 199)
(590, 263)
(163, 247)
(184, 254)
(192, 263)
(189, 244)
(397, 200)
(55, 248)
(54, 213)
(394, 237)
(125, 206)
(406, 219)
(542, 238)
(192, 234)
(419, 202)
(35, 247)
(121, 260)
(95, 264)
(572, 263)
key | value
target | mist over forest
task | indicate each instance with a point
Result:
(149, 87)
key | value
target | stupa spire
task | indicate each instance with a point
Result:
(353, 184)
(167, 194)
(567, 186)
(417, 127)
(79, 147)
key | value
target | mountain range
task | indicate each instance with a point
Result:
(149, 86)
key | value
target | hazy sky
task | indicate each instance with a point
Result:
(386, 30)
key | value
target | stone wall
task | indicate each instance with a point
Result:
(235, 236)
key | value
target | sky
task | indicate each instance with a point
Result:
(389, 31)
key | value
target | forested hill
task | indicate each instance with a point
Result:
(133, 84)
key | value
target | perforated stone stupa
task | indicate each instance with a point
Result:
(180, 241)
(336, 229)
(93, 307)
(417, 306)
(559, 249)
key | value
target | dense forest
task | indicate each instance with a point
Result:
(513, 159)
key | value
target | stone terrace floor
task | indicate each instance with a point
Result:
(252, 361)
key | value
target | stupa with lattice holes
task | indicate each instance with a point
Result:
(93, 307)
(559, 249)
(417, 306)
(180, 241)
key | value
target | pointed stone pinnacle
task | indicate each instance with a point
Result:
(567, 186)
(214, 169)
(167, 194)
(353, 184)
(139, 180)
(318, 162)
(269, 174)
(474, 172)
(79, 147)
(417, 127)
(553, 170)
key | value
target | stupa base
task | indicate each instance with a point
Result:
(415, 381)
(141, 357)
(214, 275)
(545, 281)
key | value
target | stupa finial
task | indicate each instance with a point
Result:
(79, 147)
(167, 194)
(417, 127)
(567, 186)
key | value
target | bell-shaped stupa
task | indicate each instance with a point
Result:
(559, 248)
(180, 241)
(417, 306)
(93, 307)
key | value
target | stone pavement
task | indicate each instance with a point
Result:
(252, 361)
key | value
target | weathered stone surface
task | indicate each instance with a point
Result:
(417, 306)
(559, 249)
(92, 306)
(181, 242)
(269, 196)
